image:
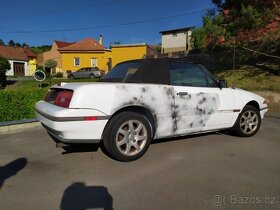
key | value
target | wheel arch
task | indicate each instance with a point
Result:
(140, 110)
(254, 104)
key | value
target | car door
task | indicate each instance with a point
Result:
(87, 73)
(199, 102)
(81, 73)
(77, 74)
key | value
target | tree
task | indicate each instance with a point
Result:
(198, 38)
(50, 64)
(17, 44)
(249, 26)
(4, 66)
(40, 49)
(158, 47)
(11, 43)
(24, 44)
(2, 42)
(237, 4)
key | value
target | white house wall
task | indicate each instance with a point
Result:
(26, 69)
(10, 72)
(176, 41)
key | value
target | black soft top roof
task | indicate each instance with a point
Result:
(155, 71)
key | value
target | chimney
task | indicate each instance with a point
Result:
(100, 39)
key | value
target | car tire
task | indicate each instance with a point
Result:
(248, 122)
(92, 76)
(71, 76)
(127, 136)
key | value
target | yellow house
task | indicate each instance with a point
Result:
(32, 66)
(125, 52)
(89, 52)
(85, 53)
(53, 54)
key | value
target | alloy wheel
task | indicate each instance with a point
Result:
(131, 137)
(249, 122)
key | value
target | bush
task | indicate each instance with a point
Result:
(4, 66)
(17, 105)
(48, 74)
(59, 75)
(40, 67)
(50, 63)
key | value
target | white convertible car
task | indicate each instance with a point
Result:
(141, 100)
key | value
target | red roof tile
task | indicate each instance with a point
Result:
(29, 52)
(61, 44)
(13, 53)
(87, 44)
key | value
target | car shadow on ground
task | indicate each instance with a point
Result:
(11, 169)
(80, 196)
(79, 148)
(179, 138)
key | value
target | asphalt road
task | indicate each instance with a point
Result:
(213, 171)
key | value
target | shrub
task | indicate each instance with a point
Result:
(40, 67)
(50, 63)
(59, 75)
(17, 105)
(4, 66)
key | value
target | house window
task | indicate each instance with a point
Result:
(93, 62)
(77, 61)
(174, 34)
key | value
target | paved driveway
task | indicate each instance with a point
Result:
(214, 171)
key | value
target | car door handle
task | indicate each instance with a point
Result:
(182, 93)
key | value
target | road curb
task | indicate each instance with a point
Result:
(14, 126)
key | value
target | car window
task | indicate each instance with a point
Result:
(186, 74)
(123, 71)
(211, 80)
(94, 69)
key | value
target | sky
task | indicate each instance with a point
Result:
(38, 22)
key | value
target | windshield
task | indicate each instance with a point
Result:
(122, 71)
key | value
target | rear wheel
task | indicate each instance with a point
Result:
(248, 121)
(71, 76)
(127, 136)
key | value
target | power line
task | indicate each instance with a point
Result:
(102, 26)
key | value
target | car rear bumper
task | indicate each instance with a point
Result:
(68, 125)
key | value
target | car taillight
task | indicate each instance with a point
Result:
(63, 98)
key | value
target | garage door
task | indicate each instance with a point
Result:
(18, 69)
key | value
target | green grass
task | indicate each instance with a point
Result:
(250, 78)
(255, 80)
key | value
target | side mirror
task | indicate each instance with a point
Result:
(222, 83)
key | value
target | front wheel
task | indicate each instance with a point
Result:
(248, 121)
(92, 76)
(127, 136)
